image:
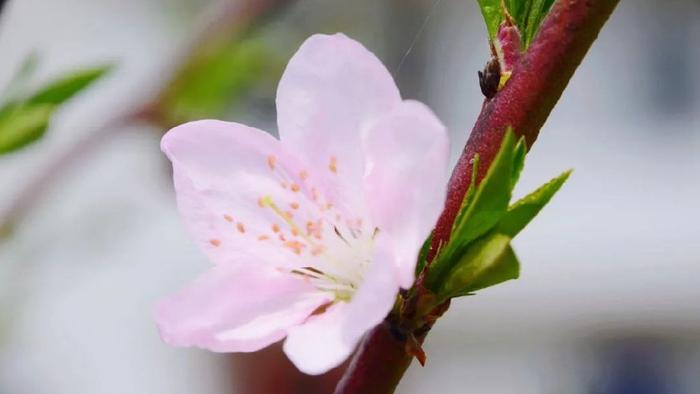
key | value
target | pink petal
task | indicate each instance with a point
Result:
(222, 171)
(407, 156)
(326, 340)
(318, 345)
(231, 309)
(332, 88)
(376, 295)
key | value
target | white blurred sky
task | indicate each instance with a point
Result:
(616, 250)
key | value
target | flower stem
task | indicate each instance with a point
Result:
(538, 80)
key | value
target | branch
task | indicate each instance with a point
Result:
(31, 193)
(537, 82)
(223, 20)
(378, 364)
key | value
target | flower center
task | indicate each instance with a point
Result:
(338, 251)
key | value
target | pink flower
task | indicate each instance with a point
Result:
(312, 235)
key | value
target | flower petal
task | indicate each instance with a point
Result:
(231, 309)
(318, 345)
(407, 157)
(236, 187)
(332, 88)
(376, 295)
(326, 340)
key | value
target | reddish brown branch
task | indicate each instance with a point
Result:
(537, 82)
(378, 364)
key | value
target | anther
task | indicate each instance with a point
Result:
(317, 249)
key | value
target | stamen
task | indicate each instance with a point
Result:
(337, 232)
(303, 175)
(271, 161)
(285, 215)
(240, 227)
(333, 165)
(215, 242)
(295, 246)
(317, 249)
(314, 229)
(228, 218)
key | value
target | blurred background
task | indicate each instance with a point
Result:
(609, 297)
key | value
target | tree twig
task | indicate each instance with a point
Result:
(538, 80)
(32, 192)
(222, 21)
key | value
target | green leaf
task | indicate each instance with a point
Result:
(487, 262)
(538, 10)
(505, 267)
(23, 121)
(525, 209)
(469, 196)
(518, 161)
(518, 9)
(492, 196)
(493, 15)
(528, 16)
(21, 125)
(66, 87)
(423, 254)
(482, 208)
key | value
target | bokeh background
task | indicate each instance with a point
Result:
(609, 298)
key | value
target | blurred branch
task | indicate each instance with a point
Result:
(222, 22)
(537, 82)
(32, 192)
